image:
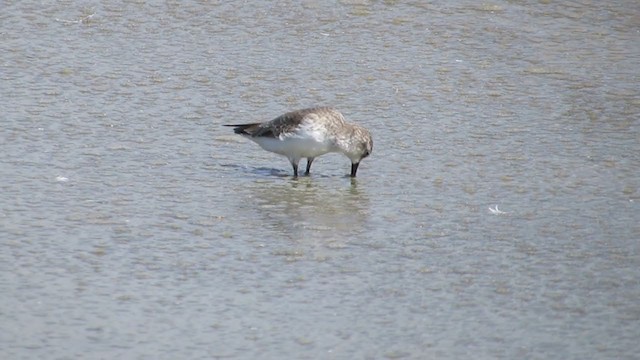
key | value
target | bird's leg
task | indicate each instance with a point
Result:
(294, 163)
(309, 161)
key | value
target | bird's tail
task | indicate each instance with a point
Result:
(244, 129)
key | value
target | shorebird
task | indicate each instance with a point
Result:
(309, 133)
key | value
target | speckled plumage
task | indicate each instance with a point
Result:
(310, 133)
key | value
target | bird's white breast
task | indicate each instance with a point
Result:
(305, 141)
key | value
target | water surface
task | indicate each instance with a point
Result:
(497, 217)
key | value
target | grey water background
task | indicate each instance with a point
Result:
(134, 226)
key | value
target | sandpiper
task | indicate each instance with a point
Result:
(309, 133)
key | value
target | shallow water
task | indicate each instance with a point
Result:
(497, 217)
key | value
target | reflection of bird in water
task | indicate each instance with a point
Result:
(306, 211)
(309, 133)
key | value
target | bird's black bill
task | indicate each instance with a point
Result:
(354, 169)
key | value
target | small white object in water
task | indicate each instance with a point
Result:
(496, 210)
(80, 21)
(60, 178)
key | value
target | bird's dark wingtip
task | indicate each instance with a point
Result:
(241, 128)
